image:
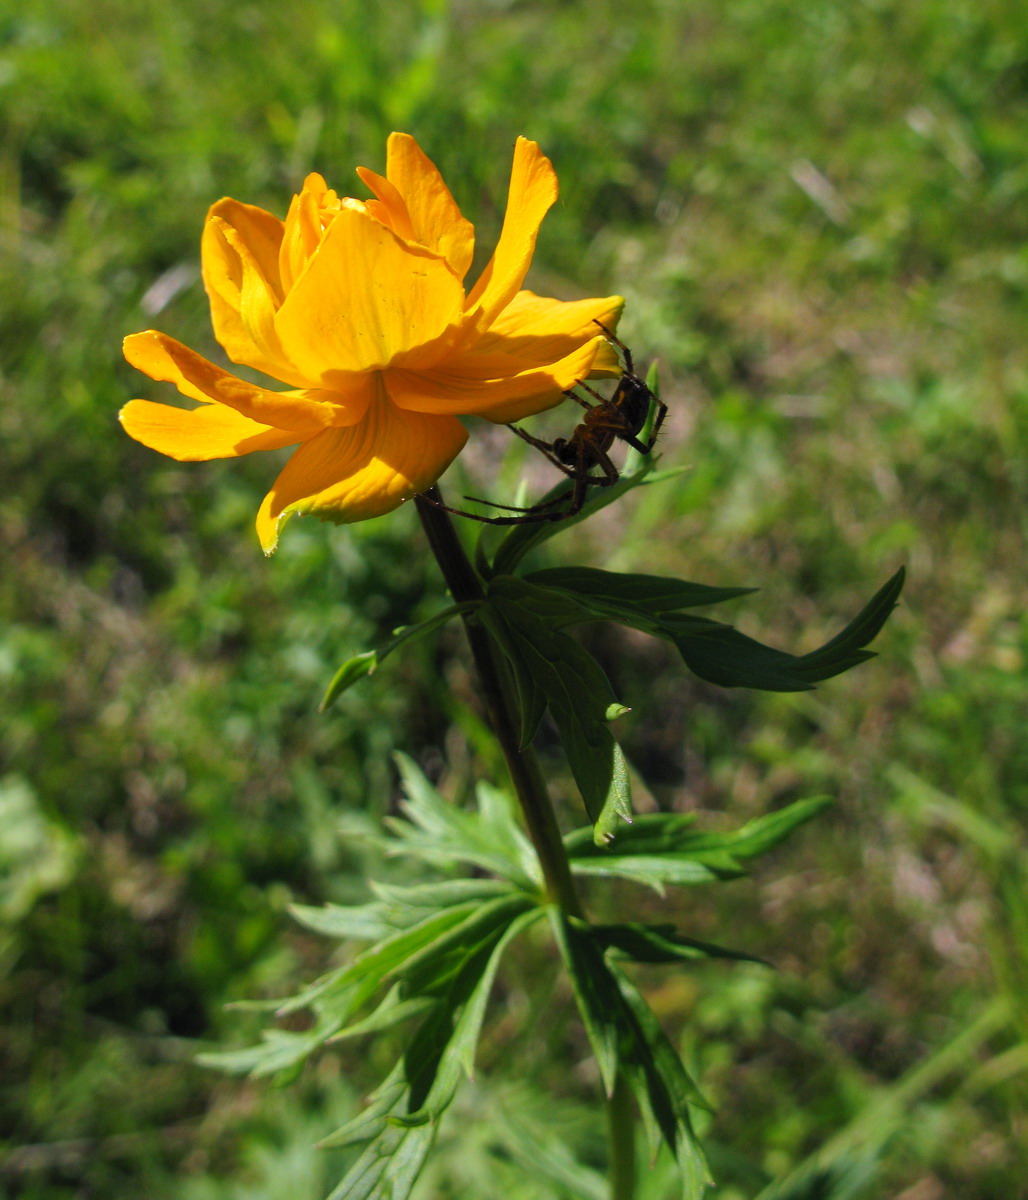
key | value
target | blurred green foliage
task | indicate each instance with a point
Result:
(819, 216)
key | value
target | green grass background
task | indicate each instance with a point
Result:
(819, 216)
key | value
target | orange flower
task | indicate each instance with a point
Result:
(359, 307)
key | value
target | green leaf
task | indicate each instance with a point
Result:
(663, 848)
(648, 593)
(714, 651)
(596, 991)
(443, 894)
(438, 832)
(531, 698)
(352, 985)
(367, 663)
(371, 1120)
(365, 922)
(722, 655)
(391, 1011)
(577, 692)
(469, 1025)
(660, 944)
(436, 963)
(654, 872)
(278, 1051)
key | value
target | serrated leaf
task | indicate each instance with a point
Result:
(722, 655)
(441, 833)
(361, 665)
(370, 1121)
(762, 833)
(279, 1051)
(351, 986)
(716, 652)
(444, 894)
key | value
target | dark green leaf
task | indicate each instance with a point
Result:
(648, 593)
(531, 698)
(596, 991)
(660, 944)
(579, 697)
(722, 655)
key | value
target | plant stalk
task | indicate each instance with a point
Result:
(502, 705)
(530, 788)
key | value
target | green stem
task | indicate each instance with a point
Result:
(621, 1141)
(530, 787)
(502, 705)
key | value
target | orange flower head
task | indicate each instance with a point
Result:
(359, 307)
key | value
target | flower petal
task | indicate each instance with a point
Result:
(365, 297)
(244, 301)
(346, 475)
(261, 232)
(303, 413)
(532, 191)
(199, 434)
(494, 386)
(436, 220)
(543, 329)
(388, 205)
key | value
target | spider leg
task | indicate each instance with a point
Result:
(585, 388)
(522, 508)
(613, 338)
(545, 447)
(526, 518)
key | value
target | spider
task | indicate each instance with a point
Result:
(621, 417)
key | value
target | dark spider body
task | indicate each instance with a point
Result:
(619, 418)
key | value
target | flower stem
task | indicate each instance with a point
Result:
(532, 792)
(502, 705)
(621, 1141)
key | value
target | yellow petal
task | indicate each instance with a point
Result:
(243, 301)
(303, 231)
(544, 329)
(389, 206)
(260, 231)
(302, 412)
(533, 189)
(199, 434)
(436, 221)
(494, 386)
(346, 475)
(365, 297)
